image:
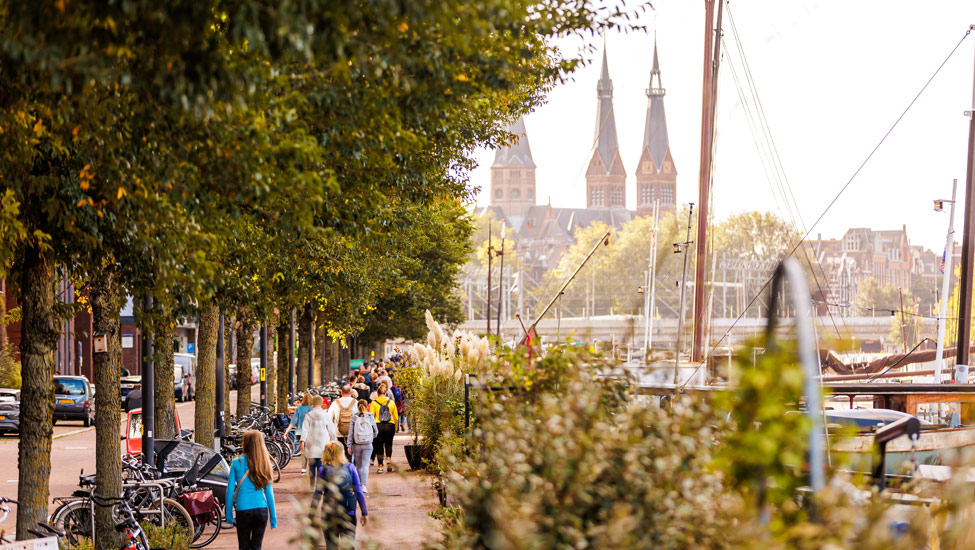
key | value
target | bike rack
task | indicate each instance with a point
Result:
(144, 511)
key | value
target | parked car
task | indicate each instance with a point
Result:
(9, 410)
(133, 430)
(184, 376)
(128, 383)
(74, 399)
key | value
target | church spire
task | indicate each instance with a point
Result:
(655, 137)
(518, 153)
(656, 177)
(606, 140)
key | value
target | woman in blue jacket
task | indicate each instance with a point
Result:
(297, 420)
(251, 496)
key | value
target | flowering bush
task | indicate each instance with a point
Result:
(437, 406)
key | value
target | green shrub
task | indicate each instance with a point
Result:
(173, 537)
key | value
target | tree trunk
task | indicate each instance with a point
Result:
(39, 338)
(304, 349)
(320, 360)
(206, 376)
(284, 340)
(329, 368)
(272, 372)
(163, 369)
(105, 307)
(230, 356)
(245, 342)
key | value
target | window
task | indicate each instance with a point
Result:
(646, 194)
(851, 243)
(616, 197)
(515, 193)
(69, 386)
(596, 196)
(498, 194)
(531, 193)
(667, 195)
(894, 253)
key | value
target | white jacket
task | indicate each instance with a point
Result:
(316, 431)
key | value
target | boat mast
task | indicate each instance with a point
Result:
(712, 53)
(967, 244)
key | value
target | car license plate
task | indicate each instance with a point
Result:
(66, 401)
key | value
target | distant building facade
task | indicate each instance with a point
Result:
(861, 254)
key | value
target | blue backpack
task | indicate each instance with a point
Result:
(397, 394)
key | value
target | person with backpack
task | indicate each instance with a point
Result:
(342, 410)
(384, 411)
(362, 433)
(251, 502)
(338, 492)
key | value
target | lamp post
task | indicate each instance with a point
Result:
(679, 248)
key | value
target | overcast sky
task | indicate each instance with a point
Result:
(833, 76)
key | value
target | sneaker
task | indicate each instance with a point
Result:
(304, 471)
(380, 470)
(365, 491)
(389, 467)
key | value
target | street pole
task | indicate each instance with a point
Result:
(148, 388)
(967, 252)
(501, 279)
(945, 287)
(263, 363)
(683, 286)
(291, 357)
(488, 293)
(653, 277)
(903, 324)
(321, 358)
(220, 396)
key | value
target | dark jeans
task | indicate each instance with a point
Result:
(384, 441)
(345, 445)
(250, 528)
(313, 465)
(336, 533)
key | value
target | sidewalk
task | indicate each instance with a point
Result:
(398, 503)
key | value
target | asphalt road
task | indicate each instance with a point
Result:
(72, 451)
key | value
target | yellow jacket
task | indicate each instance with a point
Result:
(377, 404)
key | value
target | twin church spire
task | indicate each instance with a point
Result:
(513, 171)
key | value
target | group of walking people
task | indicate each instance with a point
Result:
(337, 446)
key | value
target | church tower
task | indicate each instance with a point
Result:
(605, 178)
(513, 173)
(656, 177)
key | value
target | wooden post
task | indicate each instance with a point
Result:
(967, 244)
(712, 51)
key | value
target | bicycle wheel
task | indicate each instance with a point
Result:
(286, 450)
(206, 533)
(74, 518)
(275, 451)
(176, 514)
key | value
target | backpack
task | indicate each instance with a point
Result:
(362, 431)
(384, 415)
(397, 394)
(338, 490)
(345, 415)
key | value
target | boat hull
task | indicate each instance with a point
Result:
(935, 446)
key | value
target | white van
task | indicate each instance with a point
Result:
(184, 376)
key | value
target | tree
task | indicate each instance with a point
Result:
(205, 376)
(245, 343)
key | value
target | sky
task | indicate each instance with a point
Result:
(832, 77)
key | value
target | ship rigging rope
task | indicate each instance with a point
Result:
(771, 158)
(846, 185)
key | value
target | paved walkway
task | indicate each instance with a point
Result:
(399, 505)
